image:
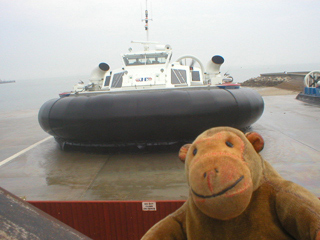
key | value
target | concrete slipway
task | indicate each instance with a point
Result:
(32, 165)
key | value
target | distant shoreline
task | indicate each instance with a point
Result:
(9, 81)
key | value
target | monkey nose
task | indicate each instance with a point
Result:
(210, 177)
(211, 173)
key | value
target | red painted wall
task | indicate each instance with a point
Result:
(114, 220)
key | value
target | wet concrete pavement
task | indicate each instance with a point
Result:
(18, 130)
(291, 130)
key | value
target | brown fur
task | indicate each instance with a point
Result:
(235, 194)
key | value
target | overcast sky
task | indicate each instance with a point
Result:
(53, 38)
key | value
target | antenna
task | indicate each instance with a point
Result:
(146, 27)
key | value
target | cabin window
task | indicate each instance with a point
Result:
(117, 80)
(145, 59)
(178, 76)
(107, 81)
(195, 76)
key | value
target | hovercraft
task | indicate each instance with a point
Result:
(150, 101)
(311, 91)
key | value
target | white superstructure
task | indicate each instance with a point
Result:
(152, 69)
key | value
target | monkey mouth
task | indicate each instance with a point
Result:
(219, 193)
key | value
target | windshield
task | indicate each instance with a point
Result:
(143, 59)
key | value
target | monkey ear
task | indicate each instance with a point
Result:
(183, 152)
(256, 140)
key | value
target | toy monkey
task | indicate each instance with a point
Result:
(235, 194)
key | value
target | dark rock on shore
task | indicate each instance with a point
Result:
(287, 81)
(265, 81)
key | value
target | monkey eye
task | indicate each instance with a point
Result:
(194, 151)
(229, 144)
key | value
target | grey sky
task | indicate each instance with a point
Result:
(45, 38)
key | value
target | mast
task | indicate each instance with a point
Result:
(146, 20)
(146, 28)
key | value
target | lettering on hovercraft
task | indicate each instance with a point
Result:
(143, 79)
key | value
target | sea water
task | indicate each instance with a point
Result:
(30, 94)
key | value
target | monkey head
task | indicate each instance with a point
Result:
(223, 168)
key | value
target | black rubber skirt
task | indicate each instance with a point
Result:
(148, 116)
(308, 98)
